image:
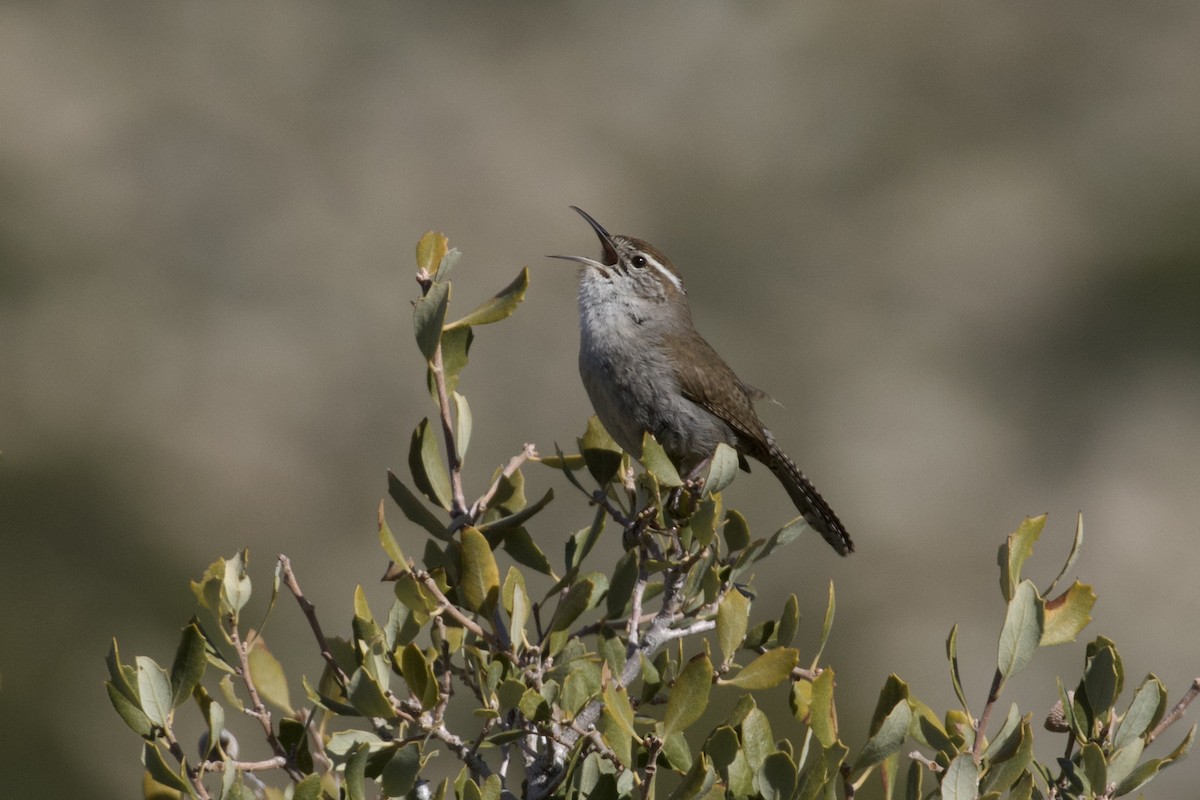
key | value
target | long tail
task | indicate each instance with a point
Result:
(816, 511)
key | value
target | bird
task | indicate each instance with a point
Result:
(647, 370)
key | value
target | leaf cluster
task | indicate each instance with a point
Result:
(545, 674)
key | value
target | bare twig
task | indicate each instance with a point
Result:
(310, 611)
(195, 775)
(981, 726)
(514, 464)
(929, 763)
(245, 766)
(446, 607)
(700, 626)
(1176, 713)
(260, 710)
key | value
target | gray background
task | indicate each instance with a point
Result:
(959, 245)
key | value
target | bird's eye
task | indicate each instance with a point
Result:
(638, 261)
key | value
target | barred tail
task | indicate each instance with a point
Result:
(816, 511)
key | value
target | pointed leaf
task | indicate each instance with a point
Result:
(499, 307)
(1022, 630)
(1016, 548)
(955, 677)
(789, 622)
(770, 669)
(418, 674)
(961, 779)
(190, 660)
(456, 347)
(1076, 544)
(520, 545)
(480, 575)
(462, 425)
(785, 535)
(129, 711)
(431, 249)
(154, 689)
(425, 462)
(162, 772)
(889, 725)
(657, 463)
(620, 587)
(721, 469)
(1100, 681)
(737, 532)
(520, 614)
(268, 676)
(387, 541)
(429, 314)
(777, 777)
(235, 588)
(414, 509)
(1145, 710)
(733, 616)
(1068, 614)
(826, 627)
(822, 718)
(689, 695)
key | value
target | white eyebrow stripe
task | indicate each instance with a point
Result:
(666, 273)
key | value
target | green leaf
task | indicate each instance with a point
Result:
(418, 674)
(387, 541)
(770, 669)
(1145, 710)
(431, 249)
(480, 575)
(600, 451)
(737, 532)
(520, 614)
(129, 711)
(582, 596)
(356, 767)
(733, 616)
(515, 520)
(429, 314)
(400, 773)
(826, 627)
(190, 660)
(1091, 762)
(620, 587)
(425, 462)
(757, 741)
(657, 463)
(268, 676)
(1022, 630)
(462, 425)
(499, 307)
(800, 699)
(367, 695)
(703, 522)
(777, 777)
(721, 469)
(1076, 544)
(456, 347)
(955, 677)
(889, 725)
(618, 708)
(1068, 614)
(822, 718)
(520, 545)
(235, 587)
(1011, 758)
(154, 690)
(1100, 682)
(308, 789)
(1016, 548)
(162, 772)
(789, 622)
(1124, 760)
(689, 696)
(416, 511)
(961, 779)
(785, 535)
(697, 783)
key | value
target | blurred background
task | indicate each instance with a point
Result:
(959, 245)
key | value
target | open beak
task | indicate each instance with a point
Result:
(610, 250)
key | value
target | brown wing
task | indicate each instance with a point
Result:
(718, 390)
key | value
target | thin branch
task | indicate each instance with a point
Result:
(700, 626)
(260, 710)
(195, 775)
(277, 762)
(929, 763)
(310, 611)
(514, 464)
(1176, 712)
(981, 726)
(445, 606)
